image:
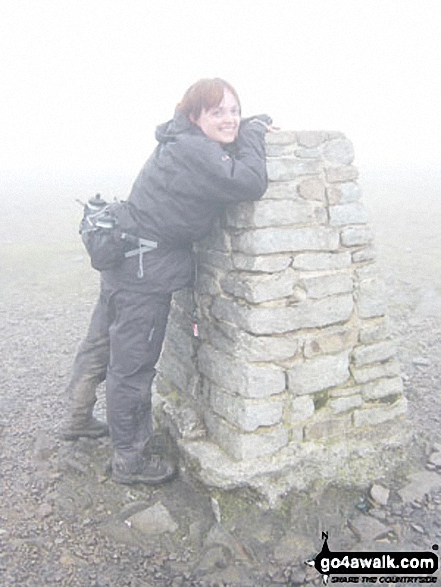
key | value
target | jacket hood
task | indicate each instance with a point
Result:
(177, 125)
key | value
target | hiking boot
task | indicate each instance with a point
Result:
(155, 470)
(93, 428)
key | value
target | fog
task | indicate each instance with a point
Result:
(84, 84)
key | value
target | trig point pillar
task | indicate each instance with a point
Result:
(293, 382)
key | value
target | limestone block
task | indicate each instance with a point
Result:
(246, 414)
(312, 188)
(382, 388)
(307, 153)
(259, 288)
(330, 342)
(265, 241)
(272, 213)
(327, 285)
(373, 353)
(341, 174)
(242, 445)
(284, 190)
(277, 320)
(322, 261)
(338, 151)
(343, 214)
(281, 137)
(319, 373)
(265, 263)
(302, 408)
(369, 373)
(280, 150)
(247, 379)
(176, 372)
(377, 414)
(287, 168)
(370, 299)
(363, 255)
(242, 345)
(343, 193)
(374, 330)
(311, 138)
(345, 404)
(328, 427)
(353, 236)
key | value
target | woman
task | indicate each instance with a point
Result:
(207, 157)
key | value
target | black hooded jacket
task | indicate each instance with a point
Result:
(182, 188)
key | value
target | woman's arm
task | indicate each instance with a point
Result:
(205, 170)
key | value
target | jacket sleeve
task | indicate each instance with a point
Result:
(201, 168)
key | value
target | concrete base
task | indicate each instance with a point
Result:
(355, 461)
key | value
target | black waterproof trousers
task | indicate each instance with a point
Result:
(123, 345)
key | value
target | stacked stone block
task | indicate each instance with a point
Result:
(294, 344)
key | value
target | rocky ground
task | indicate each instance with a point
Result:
(62, 521)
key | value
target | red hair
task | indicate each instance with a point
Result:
(204, 94)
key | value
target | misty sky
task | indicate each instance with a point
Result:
(83, 83)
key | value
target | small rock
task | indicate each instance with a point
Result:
(379, 494)
(217, 556)
(44, 511)
(421, 362)
(435, 459)
(420, 484)
(367, 528)
(153, 521)
(418, 528)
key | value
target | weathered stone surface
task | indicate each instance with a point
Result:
(280, 150)
(338, 151)
(285, 190)
(343, 193)
(287, 168)
(371, 372)
(257, 288)
(344, 173)
(247, 379)
(246, 446)
(265, 241)
(322, 261)
(343, 214)
(328, 427)
(344, 404)
(327, 285)
(277, 320)
(330, 342)
(153, 521)
(318, 374)
(353, 236)
(246, 414)
(374, 330)
(371, 299)
(363, 255)
(302, 408)
(272, 213)
(373, 353)
(242, 345)
(312, 188)
(311, 138)
(263, 263)
(217, 259)
(383, 388)
(281, 137)
(377, 414)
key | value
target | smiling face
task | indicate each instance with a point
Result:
(221, 123)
